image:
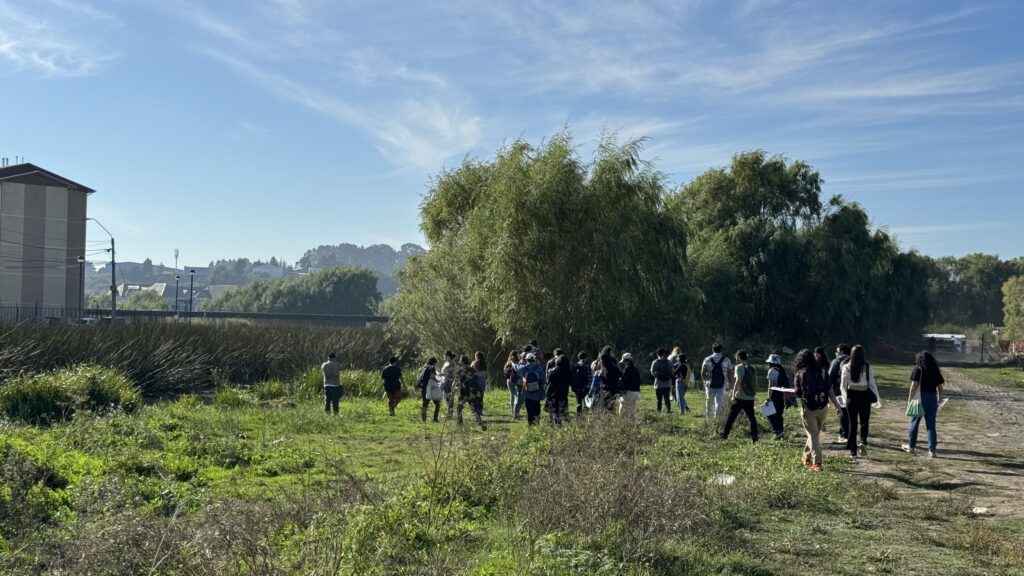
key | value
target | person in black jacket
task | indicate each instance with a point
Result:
(581, 380)
(469, 392)
(611, 374)
(835, 372)
(630, 387)
(559, 382)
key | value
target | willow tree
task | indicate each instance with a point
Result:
(537, 243)
(1013, 306)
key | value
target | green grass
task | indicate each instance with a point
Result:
(1005, 378)
(368, 493)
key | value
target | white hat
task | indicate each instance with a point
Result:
(774, 359)
(531, 356)
(627, 356)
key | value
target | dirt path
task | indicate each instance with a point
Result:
(980, 455)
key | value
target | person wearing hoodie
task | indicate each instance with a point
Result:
(534, 383)
(860, 392)
(716, 371)
(630, 387)
(559, 382)
(835, 374)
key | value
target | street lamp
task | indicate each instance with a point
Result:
(191, 292)
(113, 273)
(177, 292)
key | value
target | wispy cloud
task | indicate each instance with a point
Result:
(54, 46)
(948, 229)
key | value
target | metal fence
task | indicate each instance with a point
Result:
(62, 315)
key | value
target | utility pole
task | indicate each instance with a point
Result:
(191, 292)
(177, 291)
(113, 273)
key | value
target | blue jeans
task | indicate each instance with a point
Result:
(515, 401)
(681, 396)
(715, 401)
(930, 403)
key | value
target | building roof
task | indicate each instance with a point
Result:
(29, 171)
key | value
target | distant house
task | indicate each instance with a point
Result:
(267, 270)
(42, 238)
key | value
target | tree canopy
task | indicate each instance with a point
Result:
(1013, 306)
(338, 290)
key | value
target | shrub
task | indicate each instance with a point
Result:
(272, 390)
(357, 383)
(54, 396)
(228, 397)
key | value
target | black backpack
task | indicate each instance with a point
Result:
(814, 389)
(663, 369)
(581, 377)
(717, 374)
(424, 378)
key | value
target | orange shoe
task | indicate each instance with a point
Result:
(816, 468)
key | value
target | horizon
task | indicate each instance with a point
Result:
(227, 131)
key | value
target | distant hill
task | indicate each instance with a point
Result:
(380, 258)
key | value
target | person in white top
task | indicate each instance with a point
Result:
(716, 371)
(859, 392)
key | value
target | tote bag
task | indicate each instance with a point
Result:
(914, 407)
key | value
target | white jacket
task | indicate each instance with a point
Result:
(866, 382)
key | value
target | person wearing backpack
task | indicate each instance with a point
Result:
(777, 378)
(514, 383)
(661, 370)
(469, 392)
(427, 379)
(630, 386)
(835, 375)
(815, 392)
(744, 389)
(716, 371)
(581, 380)
(532, 374)
(857, 384)
(682, 376)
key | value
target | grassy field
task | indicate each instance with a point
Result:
(242, 486)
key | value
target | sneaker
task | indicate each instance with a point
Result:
(931, 454)
(908, 449)
(816, 468)
(805, 459)
(862, 450)
(853, 460)
(841, 440)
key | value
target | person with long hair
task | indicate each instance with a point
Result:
(857, 385)
(630, 387)
(581, 378)
(559, 383)
(683, 376)
(479, 365)
(514, 383)
(611, 377)
(926, 383)
(427, 378)
(815, 392)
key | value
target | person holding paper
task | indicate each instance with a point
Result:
(835, 374)
(859, 391)
(815, 392)
(777, 382)
(926, 387)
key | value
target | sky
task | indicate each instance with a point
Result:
(255, 129)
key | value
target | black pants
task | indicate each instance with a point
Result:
(858, 405)
(426, 404)
(475, 399)
(532, 411)
(778, 399)
(332, 394)
(666, 395)
(581, 396)
(746, 406)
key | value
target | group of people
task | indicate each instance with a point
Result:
(537, 379)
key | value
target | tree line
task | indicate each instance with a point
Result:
(539, 241)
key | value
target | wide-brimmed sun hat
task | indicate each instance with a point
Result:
(773, 359)
(531, 357)
(626, 357)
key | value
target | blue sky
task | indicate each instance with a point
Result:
(229, 128)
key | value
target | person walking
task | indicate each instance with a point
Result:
(392, 377)
(857, 384)
(682, 375)
(450, 384)
(661, 371)
(777, 378)
(533, 377)
(743, 393)
(469, 392)
(594, 399)
(716, 371)
(611, 377)
(926, 386)
(479, 366)
(560, 379)
(332, 383)
(630, 387)
(514, 383)
(581, 380)
(815, 393)
(835, 374)
(427, 380)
